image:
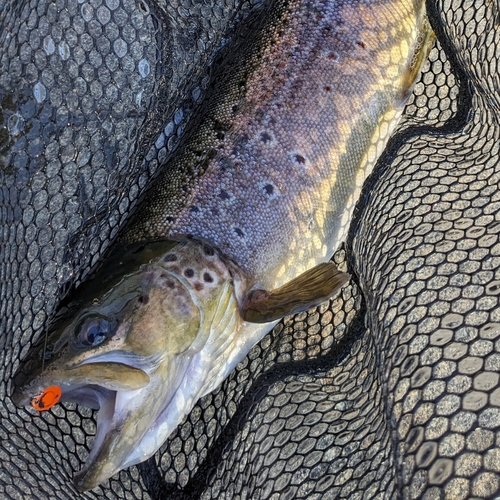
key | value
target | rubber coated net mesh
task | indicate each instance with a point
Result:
(390, 390)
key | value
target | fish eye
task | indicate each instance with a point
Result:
(93, 331)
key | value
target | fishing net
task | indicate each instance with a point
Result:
(391, 389)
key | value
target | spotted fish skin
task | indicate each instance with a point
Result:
(296, 122)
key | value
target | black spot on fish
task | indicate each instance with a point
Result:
(170, 219)
(224, 195)
(235, 108)
(208, 278)
(212, 153)
(204, 163)
(208, 250)
(170, 257)
(300, 159)
(265, 137)
(239, 232)
(361, 44)
(327, 88)
(194, 209)
(239, 144)
(269, 189)
(143, 299)
(332, 56)
(221, 126)
(225, 163)
(188, 273)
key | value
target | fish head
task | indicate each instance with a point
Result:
(134, 354)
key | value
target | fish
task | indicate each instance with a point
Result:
(239, 228)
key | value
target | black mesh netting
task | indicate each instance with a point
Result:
(392, 389)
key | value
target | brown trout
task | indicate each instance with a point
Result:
(238, 230)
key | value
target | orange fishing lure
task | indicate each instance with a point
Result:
(47, 399)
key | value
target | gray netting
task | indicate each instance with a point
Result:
(390, 390)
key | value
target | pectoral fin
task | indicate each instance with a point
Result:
(307, 290)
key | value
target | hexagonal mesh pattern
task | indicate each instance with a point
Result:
(390, 390)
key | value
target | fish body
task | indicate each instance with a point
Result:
(237, 230)
(273, 172)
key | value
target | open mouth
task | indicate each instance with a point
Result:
(112, 406)
(101, 399)
(105, 457)
(92, 396)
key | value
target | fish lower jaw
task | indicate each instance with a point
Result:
(118, 444)
(98, 467)
(96, 470)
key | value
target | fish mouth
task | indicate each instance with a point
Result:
(113, 407)
(107, 425)
(91, 396)
(103, 400)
